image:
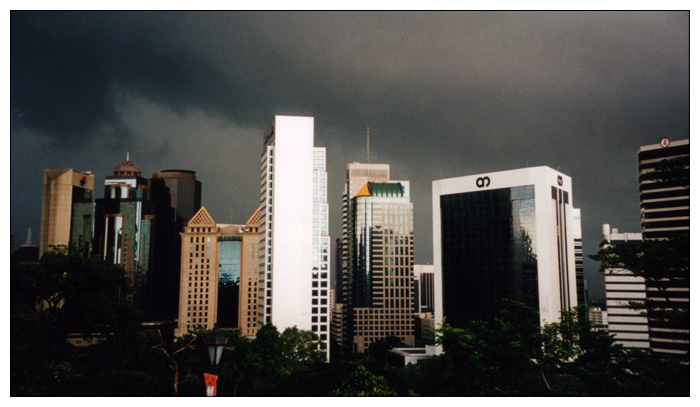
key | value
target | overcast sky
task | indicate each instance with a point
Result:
(444, 95)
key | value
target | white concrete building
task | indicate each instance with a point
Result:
(629, 327)
(295, 245)
(502, 235)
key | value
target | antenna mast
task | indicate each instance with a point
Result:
(367, 145)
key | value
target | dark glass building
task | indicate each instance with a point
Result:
(505, 235)
(488, 252)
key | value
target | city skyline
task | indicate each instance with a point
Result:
(443, 94)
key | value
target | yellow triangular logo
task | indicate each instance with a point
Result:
(364, 191)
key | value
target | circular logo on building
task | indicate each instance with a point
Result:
(560, 180)
(665, 142)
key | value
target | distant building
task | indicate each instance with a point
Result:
(629, 327)
(26, 253)
(598, 318)
(295, 245)
(665, 209)
(581, 286)
(124, 229)
(425, 298)
(503, 235)
(66, 210)
(178, 196)
(405, 356)
(218, 276)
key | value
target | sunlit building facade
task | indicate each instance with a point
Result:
(627, 324)
(67, 210)
(218, 275)
(294, 285)
(380, 222)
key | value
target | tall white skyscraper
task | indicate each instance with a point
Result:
(503, 235)
(294, 245)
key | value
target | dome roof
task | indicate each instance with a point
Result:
(127, 168)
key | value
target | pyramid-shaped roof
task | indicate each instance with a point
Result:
(201, 218)
(254, 219)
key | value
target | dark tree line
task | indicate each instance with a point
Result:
(509, 356)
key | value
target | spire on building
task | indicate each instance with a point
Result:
(127, 168)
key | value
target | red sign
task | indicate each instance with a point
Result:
(210, 382)
(665, 142)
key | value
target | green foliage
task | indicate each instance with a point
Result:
(510, 355)
(362, 382)
(662, 263)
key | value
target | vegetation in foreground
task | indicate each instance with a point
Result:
(509, 356)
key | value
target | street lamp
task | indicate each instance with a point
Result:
(216, 341)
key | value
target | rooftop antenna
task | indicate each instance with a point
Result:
(127, 155)
(29, 238)
(367, 145)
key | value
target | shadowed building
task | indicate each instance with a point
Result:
(124, 229)
(665, 210)
(66, 210)
(178, 196)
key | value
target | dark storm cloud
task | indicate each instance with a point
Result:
(445, 94)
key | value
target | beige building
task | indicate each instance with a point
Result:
(381, 224)
(218, 275)
(66, 209)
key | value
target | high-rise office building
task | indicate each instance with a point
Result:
(357, 176)
(503, 235)
(218, 275)
(124, 229)
(295, 246)
(248, 308)
(66, 210)
(581, 287)
(380, 268)
(628, 326)
(178, 196)
(665, 210)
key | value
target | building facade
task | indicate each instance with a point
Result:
(357, 176)
(67, 210)
(503, 235)
(125, 230)
(380, 224)
(425, 295)
(665, 210)
(581, 284)
(218, 275)
(628, 326)
(295, 245)
(178, 196)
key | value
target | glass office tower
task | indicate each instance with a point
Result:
(488, 251)
(504, 235)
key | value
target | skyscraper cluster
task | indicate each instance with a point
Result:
(500, 235)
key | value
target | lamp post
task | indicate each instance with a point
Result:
(215, 341)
